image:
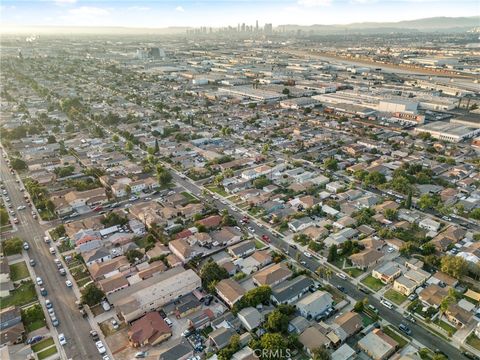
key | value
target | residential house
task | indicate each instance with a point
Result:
(344, 352)
(89, 197)
(227, 235)
(429, 225)
(11, 326)
(366, 258)
(151, 329)
(179, 349)
(432, 295)
(404, 285)
(290, 291)
(96, 256)
(200, 319)
(297, 225)
(243, 249)
(457, 315)
(182, 249)
(221, 337)
(114, 283)
(347, 325)
(315, 304)
(378, 345)
(229, 291)
(312, 339)
(250, 318)
(6, 284)
(272, 275)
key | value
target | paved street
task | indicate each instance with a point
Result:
(76, 329)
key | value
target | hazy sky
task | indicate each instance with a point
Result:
(160, 13)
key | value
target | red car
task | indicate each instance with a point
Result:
(98, 208)
(266, 238)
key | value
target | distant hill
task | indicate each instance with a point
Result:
(434, 24)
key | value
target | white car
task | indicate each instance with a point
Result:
(52, 250)
(100, 347)
(115, 324)
(390, 250)
(342, 276)
(68, 283)
(251, 229)
(21, 207)
(62, 340)
(307, 254)
(39, 281)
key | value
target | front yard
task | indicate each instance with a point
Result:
(217, 189)
(19, 271)
(395, 296)
(24, 294)
(42, 344)
(373, 283)
(395, 336)
(474, 341)
(33, 318)
(445, 326)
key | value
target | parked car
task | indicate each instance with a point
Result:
(140, 355)
(62, 339)
(55, 321)
(43, 291)
(32, 262)
(26, 246)
(39, 281)
(94, 335)
(405, 329)
(34, 340)
(48, 304)
(100, 347)
(168, 321)
(342, 276)
(68, 283)
(114, 324)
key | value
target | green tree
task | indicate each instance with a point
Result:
(391, 214)
(321, 353)
(454, 266)
(129, 146)
(375, 178)
(286, 91)
(277, 321)
(261, 182)
(275, 344)
(475, 214)
(331, 164)
(332, 253)
(4, 218)
(18, 164)
(133, 255)
(115, 138)
(163, 175)
(408, 202)
(51, 139)
(227, 352)
(211, 273)
(12, 246)
(92, 295)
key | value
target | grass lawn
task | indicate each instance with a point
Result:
(259, 244)
(372, 283)
(65, 246)
(46, 353)
(19, 271)
(80, 273)
(189, 196)
(474, 341)
(42, 344)
(206, 331)
(445, 326)
(217, 189)
(354, 272)
(83, 282)
(22, 295)
(395, 336)
(33, 318)
(366, 320)
(395, 296)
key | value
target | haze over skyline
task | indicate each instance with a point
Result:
(218, 13)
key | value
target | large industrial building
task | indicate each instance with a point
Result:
(448, 131)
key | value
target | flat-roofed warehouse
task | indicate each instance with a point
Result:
(152, 293)
(448, 131)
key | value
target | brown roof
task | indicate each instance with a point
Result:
(182, 246)
(97, 270)
(366, 257)
(113, 283)
(350, 322)
(312, 338)
(230, 289)
(262, 256)
(461, 315)
(272, 274)
(433, 294)
(153, 268)
(211, 221)
(149, 327)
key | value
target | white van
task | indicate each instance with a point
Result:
(387, 304)
(106, 306)
(342, 276)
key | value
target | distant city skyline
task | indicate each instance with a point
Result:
(219, 13)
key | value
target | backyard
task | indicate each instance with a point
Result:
(394, 296)
(19, 271)
(373, 283)
(22, 295)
